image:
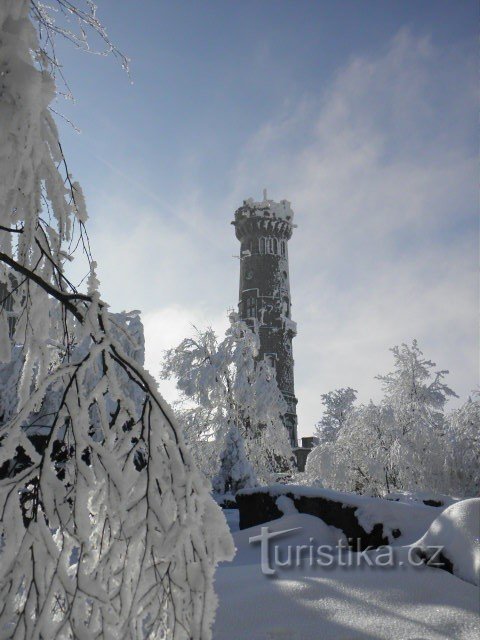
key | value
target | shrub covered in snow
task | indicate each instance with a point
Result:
(462, 449)
(235, 471)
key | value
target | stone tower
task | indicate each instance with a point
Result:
(264, 229)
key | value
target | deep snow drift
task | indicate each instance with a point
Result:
(312, 602)
(457, 530)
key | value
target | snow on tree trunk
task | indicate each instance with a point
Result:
(118, 536)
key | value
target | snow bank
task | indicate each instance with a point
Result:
(381, 603)
(231, 516)
(402, 522)
(303, 529)
(457, 530)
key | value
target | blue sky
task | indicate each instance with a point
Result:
(362, 113)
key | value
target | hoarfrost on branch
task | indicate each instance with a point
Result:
(107, 529)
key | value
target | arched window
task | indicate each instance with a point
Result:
(262, 245)
(274, 246)
(251, 307)
(283, 247)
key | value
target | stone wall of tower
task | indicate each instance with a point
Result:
(264, 295)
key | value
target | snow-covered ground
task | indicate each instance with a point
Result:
(311, 602)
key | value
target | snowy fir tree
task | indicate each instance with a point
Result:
(107, 529)
(231, 404)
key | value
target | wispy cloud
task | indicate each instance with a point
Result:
(381, 174)
(382, 177)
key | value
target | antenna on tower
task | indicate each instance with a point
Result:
(264, 195)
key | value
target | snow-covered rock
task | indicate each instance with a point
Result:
(373, 521)
(431, 499)
(286, 505)
(457, 530)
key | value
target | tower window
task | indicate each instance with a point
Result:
(271, 245)
(283, 247)
(250, 307)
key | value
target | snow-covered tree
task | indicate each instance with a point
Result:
(232, 405)
(415, 391)
(397, 444)
(338, 406)
(462, 444)
(416, 394)
(358, 459)
(117, 537)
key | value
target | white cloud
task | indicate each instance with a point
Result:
(381, 174)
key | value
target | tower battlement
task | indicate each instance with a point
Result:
(264, 215)
(264, 229)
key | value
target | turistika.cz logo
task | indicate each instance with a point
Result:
(276, 557)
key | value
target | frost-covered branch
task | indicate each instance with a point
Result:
(66, 299)
(78, 23)
(106, 527)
